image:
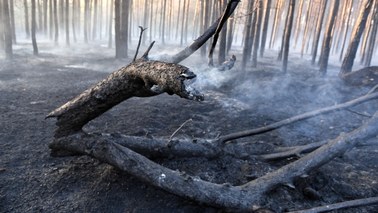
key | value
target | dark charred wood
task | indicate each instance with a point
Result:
(231, 6)
(141, 78)
(241, 197)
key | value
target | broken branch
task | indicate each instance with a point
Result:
(341, 205)
(296, 118)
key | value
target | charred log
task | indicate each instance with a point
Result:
(141, 78)
(364, 77)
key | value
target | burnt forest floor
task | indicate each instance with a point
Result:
(33, 181)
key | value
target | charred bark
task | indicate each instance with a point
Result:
(348, 61)
(141, 78)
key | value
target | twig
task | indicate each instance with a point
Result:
(373, 89)
(341, 205)
(181, 126)
(296, 118)
(359, 113)
(292, 151)
(145, 55)
(140, 40)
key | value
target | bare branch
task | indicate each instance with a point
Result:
(204, 37)
(140, 40)
(296, 118)
(341, 205)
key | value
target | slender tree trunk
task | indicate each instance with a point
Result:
(33, 27)
(13, 26)
(163, 21)
(223, 37)
(61, 13)
(40, 16)
(86, 14)
(276, 22)
(110, 42)
(51, 21)
(27, 27)
(1, 27)
(124, 28)
(247, 36)
(7, 30)
(94, 25)
(183, 14)
(306, 28)
(74, 20)
(145, 19)
(319, 25)
(359, 28)
(326, 47)
(67, 22)
(288, 28)
(346, 29)
(117, 27)
(372, 38)
(265, 27)
(45, 16)
(256, 41)
(230, 32)
(56, 21)
(298, 23)
(151, 19)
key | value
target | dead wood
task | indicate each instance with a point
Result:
(296, 118)
(140, 40)
(341, 205)
(362, 77)
(223, 195)
(177, 58)
(226, 14)
(141, 78)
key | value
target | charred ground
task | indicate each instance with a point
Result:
(32, 180)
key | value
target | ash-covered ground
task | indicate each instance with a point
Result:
(33, 181)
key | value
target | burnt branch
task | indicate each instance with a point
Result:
(300, 117)
(241, 197)
(140, 40)
(177, 58)
(141, 78)
(341, 205)
(226, 14)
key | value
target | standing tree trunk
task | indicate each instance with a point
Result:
(288, 28)
(45, 16)
(67, 22)
(183, 19)
(124, 28)
(223, 37)
(86, 14)
(51, 21)
(1, 27)
(56, 37)
(359, 27)
(7, 31)
(256, 41)
(13, 26)
(117, 28)
(350, 7)
(33, 26)
(74, 20)
(326, 47)
(265, 27)
(319, 25)
(163, 21)
(94, 26)
(110, 42)
(27, 27)
(372, 38)
(247, 36)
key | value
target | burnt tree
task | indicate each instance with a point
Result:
(326, 47)
(7, 30)
(359, 28)
(33, 27)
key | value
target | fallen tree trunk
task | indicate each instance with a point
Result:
(222, 195)
(141, 78)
